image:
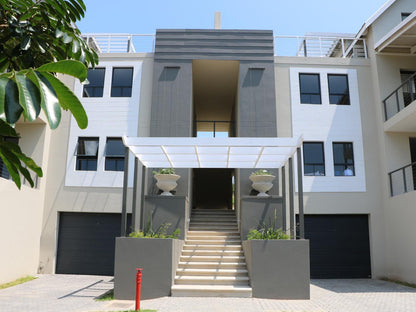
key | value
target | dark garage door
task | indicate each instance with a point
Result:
(86, 242)
(339, 246)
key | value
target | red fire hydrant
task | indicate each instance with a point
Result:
(138, 285)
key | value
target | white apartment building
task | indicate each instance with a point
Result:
(351, 99)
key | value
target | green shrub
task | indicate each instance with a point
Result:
(160, 232)
(165, 171)
(261, 172)
(267, 231)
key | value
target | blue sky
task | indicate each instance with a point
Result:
(284, 17)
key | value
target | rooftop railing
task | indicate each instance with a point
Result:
(320, 46)
(403, 180)
(400, 98)
(306, 46)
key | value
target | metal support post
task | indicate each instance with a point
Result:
(134, 204)
(124, 201)
(144, 174)
(291, 201)
(300, 195)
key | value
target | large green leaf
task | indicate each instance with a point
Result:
(49, 101)
(68, 67)
(68, 100)
(9, 100)
(11, 162)
(29, 97)
(7, 130)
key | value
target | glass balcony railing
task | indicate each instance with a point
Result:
(400, 98)
(214, 129)
(403, 180)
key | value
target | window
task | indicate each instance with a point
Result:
(313, 159)
(405, 15)
(310, 89)
(122, 82)
(96, 83)
(338, 89)
(87, 154)
(4, 173)
(114, 155)
(343, 159)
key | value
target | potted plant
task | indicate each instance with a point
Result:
(166, 180)
(262, 181)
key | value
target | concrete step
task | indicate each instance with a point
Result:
(211, 280)
(212, 211)
(219, 259)
(212, 272)
(218, 252)
(216, 227)
(239, 291)
(213, 241)
(211, 247)
(213, 237)
(211, 265)
(219, 223)
(220, 233)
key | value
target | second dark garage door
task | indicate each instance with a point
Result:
(339, 246)
(86, 242)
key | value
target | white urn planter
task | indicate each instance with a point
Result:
(166, 182)
(262, 183)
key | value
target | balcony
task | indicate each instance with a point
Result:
(403, 180)
(400, 108)
(311, 45)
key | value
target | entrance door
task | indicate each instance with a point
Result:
(212, 188)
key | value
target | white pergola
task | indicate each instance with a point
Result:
(192, 152)
(236, 153)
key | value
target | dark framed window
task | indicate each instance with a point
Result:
(313, 159)
(310, 89)
(114, 154)
(122, 81)
(405, 15)
(95, 87)
(4, 173)
(87, 154)
(343, 159)
(338, 89)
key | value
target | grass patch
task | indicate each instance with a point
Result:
(399, 282)
(109, 295)
(18, 281)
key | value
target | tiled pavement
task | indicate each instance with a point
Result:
(76, 293)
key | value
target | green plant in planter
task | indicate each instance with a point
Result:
(164, 171)
(267, 231)
(261, 172)
(160, 232)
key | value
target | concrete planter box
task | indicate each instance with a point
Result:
(158, 257)
(278, 269)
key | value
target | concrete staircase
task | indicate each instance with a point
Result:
(212, 263)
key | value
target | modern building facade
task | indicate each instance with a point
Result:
(350, 98)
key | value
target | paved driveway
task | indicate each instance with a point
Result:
(76, 293)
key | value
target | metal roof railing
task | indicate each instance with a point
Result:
(300, 46)
(320, 46)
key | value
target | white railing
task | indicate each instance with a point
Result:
(121, 43)
(320, 46)
(301, 46)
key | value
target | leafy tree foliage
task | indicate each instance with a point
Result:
(38, 39)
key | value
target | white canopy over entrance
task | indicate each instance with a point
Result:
(190, 152)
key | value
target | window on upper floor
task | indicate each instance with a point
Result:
(343, 159)
(114, 154)
(4, 173)
(405, 15)
(121, 84)
(338, 89)
(95, 87)
(87, 154)
(313, 159)
(310, 88)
